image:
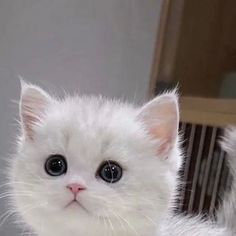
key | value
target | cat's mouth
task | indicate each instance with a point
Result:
(75, 203)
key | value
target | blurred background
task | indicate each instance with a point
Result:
(132, 49)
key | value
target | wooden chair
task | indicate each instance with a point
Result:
(204, 174)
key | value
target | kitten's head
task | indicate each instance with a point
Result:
(93, 166)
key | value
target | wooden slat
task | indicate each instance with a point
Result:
(209, 104)
(197, 169)
(205, 111)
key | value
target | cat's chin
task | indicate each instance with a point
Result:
(93, 226)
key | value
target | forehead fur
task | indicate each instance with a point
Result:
(91, 115)
(90, 109)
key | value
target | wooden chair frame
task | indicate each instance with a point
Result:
(196, 110)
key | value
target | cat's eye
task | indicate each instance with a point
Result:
(110, 171)
(56, 165)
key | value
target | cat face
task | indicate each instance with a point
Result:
(92, 166)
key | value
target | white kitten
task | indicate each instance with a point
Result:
(89, 166)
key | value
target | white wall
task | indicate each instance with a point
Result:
(96, 46)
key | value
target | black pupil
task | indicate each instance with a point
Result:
(110, 172)
(56, 165)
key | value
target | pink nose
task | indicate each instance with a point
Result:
(75, 188)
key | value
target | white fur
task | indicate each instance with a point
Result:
(227, 215)
(87, 131)
(192, 226)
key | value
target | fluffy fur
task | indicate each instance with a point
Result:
(227, 214)
(87, 131)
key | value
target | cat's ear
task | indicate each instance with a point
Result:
(34, 102)
(161, 119)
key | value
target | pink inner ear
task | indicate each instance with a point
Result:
(33, 105)
(29, 124)
(31, 114)
(160, 117)
(166, 134)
